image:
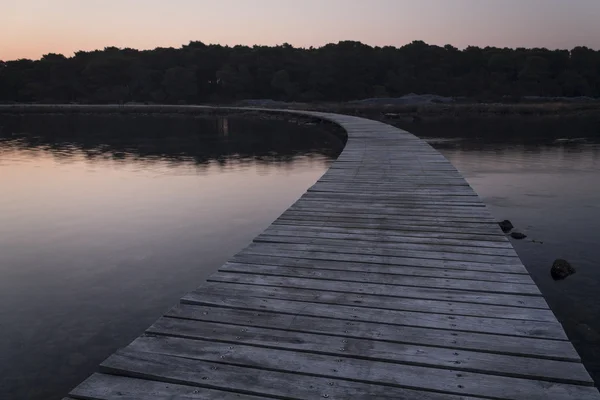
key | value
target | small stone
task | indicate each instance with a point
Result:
(561, 269)
(518, 235)
(506, 226)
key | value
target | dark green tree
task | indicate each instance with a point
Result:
(180, 84)
(348, 70)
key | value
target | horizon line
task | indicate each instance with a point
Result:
(183, 45)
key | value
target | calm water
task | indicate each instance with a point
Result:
(550, 190)
(106, 221)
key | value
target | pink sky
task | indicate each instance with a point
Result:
(31, 28)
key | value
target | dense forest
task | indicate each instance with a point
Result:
(199, 73)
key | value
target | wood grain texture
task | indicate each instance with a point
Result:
(414, 292)
(387, 279)
(383, 279)
(382, 269)
(345, 368)
(512, 345)
(545, 330)
(558, 371)
(112, 387)
(304, 290)
(255, 381)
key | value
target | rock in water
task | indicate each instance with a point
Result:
(518, 235)
(506, 226)
(561, 269)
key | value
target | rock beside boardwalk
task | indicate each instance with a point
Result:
(506, 226)
(518, 235)
(561, 269)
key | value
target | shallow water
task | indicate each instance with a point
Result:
(549, 188)
(106, 221)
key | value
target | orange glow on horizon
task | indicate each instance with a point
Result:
(31, 28)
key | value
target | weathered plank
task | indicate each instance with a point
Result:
(382, 279)
(111, 387)
(496, 240)
(392, 254)
(496, 364)
(537, 329)
(376, 236)
(483, 342)
(414, 206)
(399, 244)
(476, 227)
(345, 368)
(387, 260)
(255, 381)
(303, 291)
(368, 213)
(382, 269)
(417, 292)
(389, 225)
(435, 193)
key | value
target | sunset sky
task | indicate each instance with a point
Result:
(31, 28)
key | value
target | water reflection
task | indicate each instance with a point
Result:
(197, 140)
(105, 221)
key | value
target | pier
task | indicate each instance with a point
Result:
(388, 279)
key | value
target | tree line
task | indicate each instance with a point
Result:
(348, 70)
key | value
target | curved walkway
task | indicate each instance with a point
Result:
(388, 279)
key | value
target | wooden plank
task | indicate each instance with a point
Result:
(496, 240)
(385, 199)
(391, 226)
(536, 329)
(386, 260)
(388, 279)
(408, 216)
(496, 364)
(372, 203)
(392, 191)
(443, 181)
(374, 218)
(302, 291)
(383, 252)
(436, 182)
(315, 210)
(366, 213)
(379, 237)
(243, 258)
(338, 173)
(399, 180)
(425, 192)
(254, 381)
(406, 211)
(334, 276)
(489, 343)
(414, 204)
(345, 368)
(398, 244)
(112, 387)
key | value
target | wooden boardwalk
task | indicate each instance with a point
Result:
(388, 279)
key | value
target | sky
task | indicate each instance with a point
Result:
(31, 28)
